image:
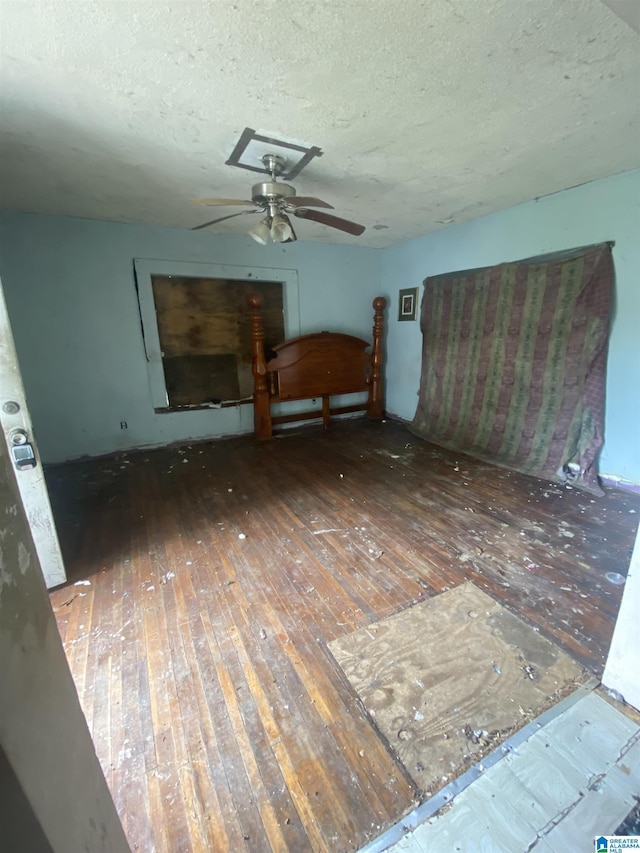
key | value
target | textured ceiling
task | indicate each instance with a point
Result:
(427, 112)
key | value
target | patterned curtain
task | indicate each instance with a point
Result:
(514, 363)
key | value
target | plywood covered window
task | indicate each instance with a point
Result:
(205, 340)
(195, 329)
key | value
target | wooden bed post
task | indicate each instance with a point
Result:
(261, 409)
(375, 407)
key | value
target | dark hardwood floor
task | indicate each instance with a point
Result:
(205, 582)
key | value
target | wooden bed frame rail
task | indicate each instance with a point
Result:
(320, 365)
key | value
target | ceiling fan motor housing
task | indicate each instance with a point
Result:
(271, 191)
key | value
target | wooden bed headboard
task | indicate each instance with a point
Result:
(320, 365)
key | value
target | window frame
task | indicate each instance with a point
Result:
(145, 268)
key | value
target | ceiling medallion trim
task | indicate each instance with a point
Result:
(294, 164)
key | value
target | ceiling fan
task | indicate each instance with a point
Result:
(277, 200)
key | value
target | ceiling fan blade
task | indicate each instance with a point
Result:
(307, 201)
(331, 221)
(222, 218)
(220, 202)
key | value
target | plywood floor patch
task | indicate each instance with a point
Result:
(449, 679)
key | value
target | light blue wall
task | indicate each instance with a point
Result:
(600, 211)
(70, 292)
(71, 298)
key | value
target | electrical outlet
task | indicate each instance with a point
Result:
(123, 425)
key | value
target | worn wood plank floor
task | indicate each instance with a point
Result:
(217, 573)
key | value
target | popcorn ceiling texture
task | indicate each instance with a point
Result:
(428, 113)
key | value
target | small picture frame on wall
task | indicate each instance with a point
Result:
(408, 304)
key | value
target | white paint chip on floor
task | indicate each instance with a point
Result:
(574, 779)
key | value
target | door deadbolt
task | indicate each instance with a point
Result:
(18, 436)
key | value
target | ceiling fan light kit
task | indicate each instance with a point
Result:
(260, 232)
(280, 228)
(277, 199)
